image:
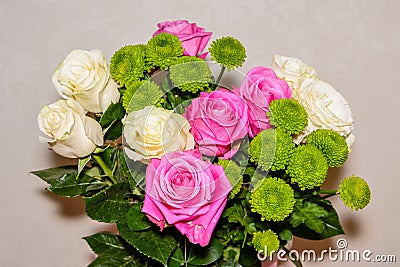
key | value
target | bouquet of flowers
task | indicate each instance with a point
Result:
(192, 172)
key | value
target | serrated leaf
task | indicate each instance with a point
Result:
(114, 131)
(176, 259)
(331, 221)
(52, 174)
(153, 244)
(136, 219)
(69, 185)
(201, 256)
(122, 172)
(310, 214)
(107, 243)
(113, 113)
(114, 261)
(234, 214)
(137, 172)
(109, 205)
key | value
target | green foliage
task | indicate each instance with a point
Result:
(128, 64)
(330, 221)
(111, 122)
(190, 74)
(148, 94)
(202, 256)
(136, 220)
(310, 214)
(112, 250)
(52, 174)
(354, 192)
(109, 205)
(151, 243)
(163, 50)
(332, 145)
(307, 167)
(69, 185)
(237, 214)
(288, 114)
(228, 52)
(273, 199)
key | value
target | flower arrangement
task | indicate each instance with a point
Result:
(194, 173)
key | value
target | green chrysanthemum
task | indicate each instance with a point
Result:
(288, 114)
(266, 240)
(163, 50)
(147, 93)
(354, 192)
(262, 149)
(228, 52)
(190, 74)
(332, 144)
(307, 167)
(234, 174)
(129, 92)
(273, 199)
(271, 149)
(128, 64)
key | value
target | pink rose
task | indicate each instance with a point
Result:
(258, 89)
(187, 192)
(194, 39)
(218, 120)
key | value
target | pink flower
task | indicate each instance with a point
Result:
(219, 121)
(194, 39)
(187, 192)
(258, 89)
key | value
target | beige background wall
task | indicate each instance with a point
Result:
(354, 45)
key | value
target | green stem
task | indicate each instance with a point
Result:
(105, 169)
(219, 77)
(327, 192)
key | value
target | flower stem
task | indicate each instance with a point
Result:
(219, 77)
(327, 192)
(105, 169)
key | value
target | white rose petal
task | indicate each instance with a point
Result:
(70, 132)
(292, 70)
(326, 108)
(84, 76)
(152, 132)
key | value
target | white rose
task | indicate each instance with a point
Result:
(152, 132)
(292, 70)
(326, 108)
(84, 76)
(71, 133)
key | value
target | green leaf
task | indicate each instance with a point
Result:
(114, 131)
(286, 234)
(136, 219)
(52, 174)
(230, 263)
(109, 205)
(82, 163)
(248, 257)
(114, 261)
(137, 172)
(201, 256)
(331, 221)
(176, 259)
(310, 214)
(69, 185)
(151, 243)
(107, 243)
(113, 113)
(234, 214)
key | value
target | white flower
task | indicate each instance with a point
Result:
(84, 76)
(71, 133)
(326, 108)
(292, 70)
(152, 132)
